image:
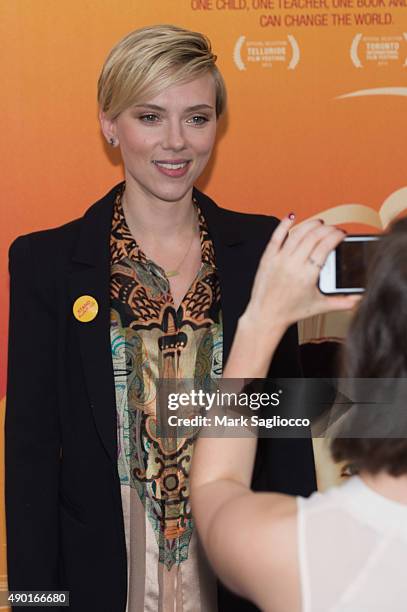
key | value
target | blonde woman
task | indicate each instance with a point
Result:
(149, 284)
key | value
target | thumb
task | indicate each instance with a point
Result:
(340, 302)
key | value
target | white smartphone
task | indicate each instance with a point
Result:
(345, 268)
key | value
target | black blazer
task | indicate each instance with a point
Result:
(63, 504)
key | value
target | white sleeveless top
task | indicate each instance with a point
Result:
(352, 551)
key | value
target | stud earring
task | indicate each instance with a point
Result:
(112, 141)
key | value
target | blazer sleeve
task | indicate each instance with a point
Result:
(32, 439)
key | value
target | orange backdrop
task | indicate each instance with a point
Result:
(317, 110)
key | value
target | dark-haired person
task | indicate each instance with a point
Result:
(344, 550)
(150, 283)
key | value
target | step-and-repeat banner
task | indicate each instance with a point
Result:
(316, 121)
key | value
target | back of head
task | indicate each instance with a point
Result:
(376, 347)
(376, 343)
(150, 59)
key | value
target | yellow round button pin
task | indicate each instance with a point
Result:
(85, 308)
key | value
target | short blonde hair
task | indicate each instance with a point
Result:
(150, 59)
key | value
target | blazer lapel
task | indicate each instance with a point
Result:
(238, 247)
(91, 276)
(235, 278)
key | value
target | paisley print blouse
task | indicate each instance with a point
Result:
(151, 340)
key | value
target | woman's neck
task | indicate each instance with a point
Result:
(392, 487)
(159, 219)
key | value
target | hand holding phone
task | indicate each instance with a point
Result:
(285, 288)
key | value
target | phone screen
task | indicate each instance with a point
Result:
(352, 261)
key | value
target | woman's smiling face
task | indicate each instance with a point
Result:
(166, 141)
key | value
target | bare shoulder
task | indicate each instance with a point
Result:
(257, 550)
(277, 549)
